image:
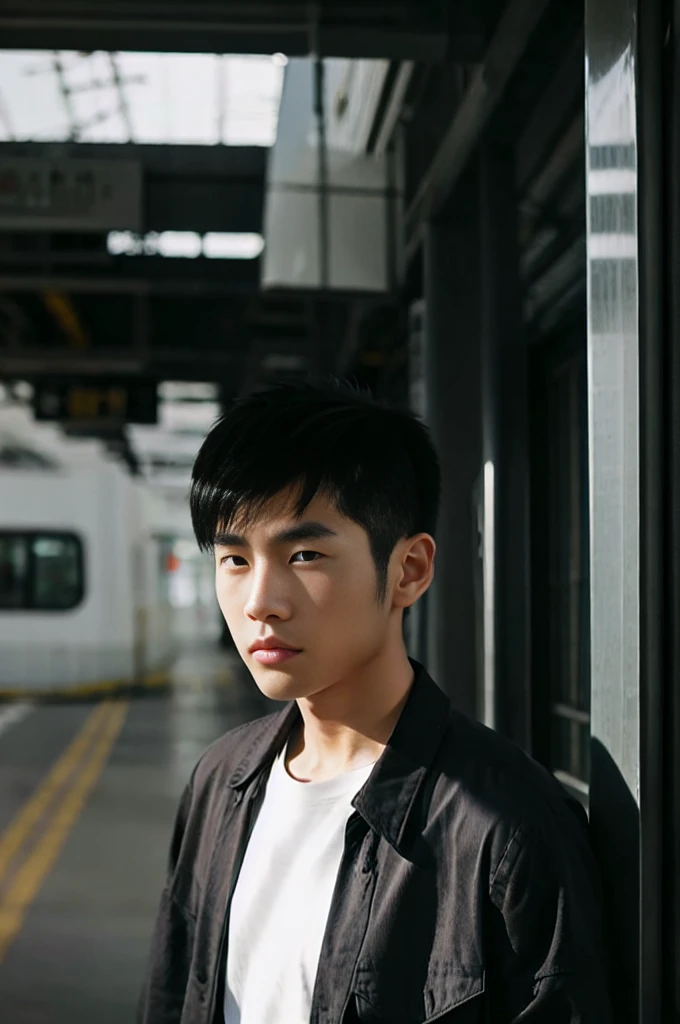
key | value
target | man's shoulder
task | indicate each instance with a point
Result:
(489, 774)
(223, 757)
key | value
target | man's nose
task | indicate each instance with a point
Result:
(268, 597)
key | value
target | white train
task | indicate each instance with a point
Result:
(85, 559)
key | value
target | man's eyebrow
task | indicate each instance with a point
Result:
(229, 540)
(309, 530)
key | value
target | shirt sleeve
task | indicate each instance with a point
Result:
(548, 963)
(173, 933)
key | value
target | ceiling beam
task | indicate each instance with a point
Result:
(146, 275)
(84, 34)
(171, 159)
(509, 42)
(162, 363)
(67, 319)
(410, 30)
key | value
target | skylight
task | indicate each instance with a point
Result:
(202, 98)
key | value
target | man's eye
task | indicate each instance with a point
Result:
(233, 561)
(306, 556)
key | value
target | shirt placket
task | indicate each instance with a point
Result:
(346, 925)
(211, 935)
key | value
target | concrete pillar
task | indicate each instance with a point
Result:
(453, 415)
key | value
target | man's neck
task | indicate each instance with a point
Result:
(347, 725)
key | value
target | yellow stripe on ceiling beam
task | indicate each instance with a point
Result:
(64, 312)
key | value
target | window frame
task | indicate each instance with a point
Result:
(29, 536)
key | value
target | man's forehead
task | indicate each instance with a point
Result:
(281, 514)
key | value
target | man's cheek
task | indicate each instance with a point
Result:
(221, 600)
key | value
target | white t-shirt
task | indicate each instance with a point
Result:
(283, 895)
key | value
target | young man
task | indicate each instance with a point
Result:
(366, 853)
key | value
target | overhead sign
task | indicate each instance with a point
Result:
(103, 402)
(70, 194)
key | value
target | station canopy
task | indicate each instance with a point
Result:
(162, 98)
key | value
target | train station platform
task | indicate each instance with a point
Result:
(88, 793)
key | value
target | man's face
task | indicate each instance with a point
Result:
(309, 584)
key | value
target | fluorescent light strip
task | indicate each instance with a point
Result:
(233, 246)
(186, 244)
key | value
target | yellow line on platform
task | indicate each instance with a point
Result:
(30, 877)
(21, 828)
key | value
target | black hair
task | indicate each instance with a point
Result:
(378, 465)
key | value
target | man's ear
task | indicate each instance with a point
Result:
(414, 570)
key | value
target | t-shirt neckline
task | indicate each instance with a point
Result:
(320, 791)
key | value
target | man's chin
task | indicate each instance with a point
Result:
(279, 683)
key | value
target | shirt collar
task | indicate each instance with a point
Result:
(388, 797)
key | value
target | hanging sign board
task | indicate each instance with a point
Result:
(99, 402)
(70, 194)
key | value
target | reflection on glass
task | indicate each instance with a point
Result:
(613, 382)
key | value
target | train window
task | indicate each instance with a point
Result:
(13, 571)
(40, 571)
(57, 572)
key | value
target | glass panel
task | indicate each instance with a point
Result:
(13, 572)
(57, 581)
(613, 105)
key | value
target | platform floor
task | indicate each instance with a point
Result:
(88, 794)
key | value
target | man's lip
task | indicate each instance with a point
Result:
(271, 643)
